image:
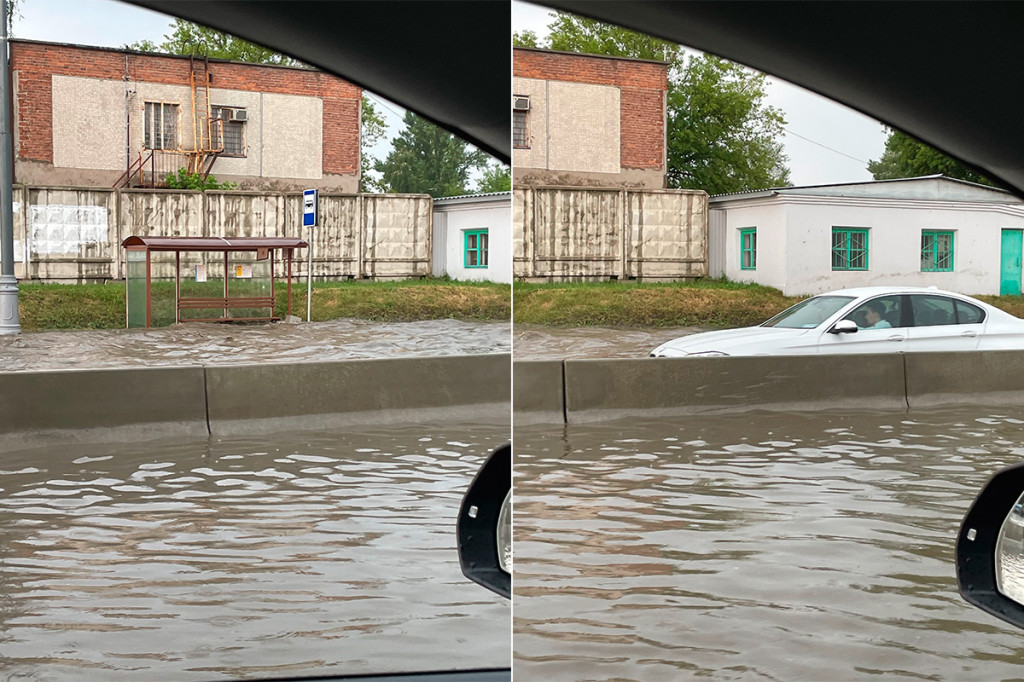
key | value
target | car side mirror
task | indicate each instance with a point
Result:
(485, 525)
(844, 327)
(990, 548)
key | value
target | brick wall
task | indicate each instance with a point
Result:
(642, 85)
(33, 65)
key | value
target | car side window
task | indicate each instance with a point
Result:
(878, 313)
(967, 313)
(932, 311)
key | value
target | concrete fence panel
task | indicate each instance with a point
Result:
(69, 233)
(397, 232)
(572, 233)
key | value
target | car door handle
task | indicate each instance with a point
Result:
(969, 333)
(896, 337)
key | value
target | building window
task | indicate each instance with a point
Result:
(520, 130)
(161, 125)
(230, 132)
(936, 251)
(476, 248)
(748, 248)
(849, 248)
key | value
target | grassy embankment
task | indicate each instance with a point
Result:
(708, 303)
(101, 306)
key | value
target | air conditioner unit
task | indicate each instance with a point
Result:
(240, 115)
(521, 103)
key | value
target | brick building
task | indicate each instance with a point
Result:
(588, 120)
(89, 116)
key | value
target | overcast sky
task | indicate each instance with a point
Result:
(813, 123)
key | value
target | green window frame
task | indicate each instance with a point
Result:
(748, 248)
(849, 248)
(936, 250)
(475, 252)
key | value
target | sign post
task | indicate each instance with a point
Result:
(310, 210)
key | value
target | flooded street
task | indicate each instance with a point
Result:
(755, 546)
(539, 342)
(294, 554)
(215, 344)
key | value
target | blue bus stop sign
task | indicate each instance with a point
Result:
(310, 200)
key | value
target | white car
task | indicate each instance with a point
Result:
(864, 320)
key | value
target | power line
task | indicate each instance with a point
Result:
(824, 146)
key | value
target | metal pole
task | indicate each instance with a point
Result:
(309, 276)
(10, 323)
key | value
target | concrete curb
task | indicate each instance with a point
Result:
(538, 391)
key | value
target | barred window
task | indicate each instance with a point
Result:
(230, 132)
(849, 248)
(520, 134)
(936, 251)
(161, 125)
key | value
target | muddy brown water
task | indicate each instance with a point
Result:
(205, 344)
(288, 555)
(537, 342)
(755, 547)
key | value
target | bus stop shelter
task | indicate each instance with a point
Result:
(214, 279)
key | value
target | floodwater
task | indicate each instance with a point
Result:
(210, 344)
(755, 547)
(538, 342)
(293, 554)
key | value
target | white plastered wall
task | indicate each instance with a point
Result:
(295, 149)
(496, 217)
(770, 220)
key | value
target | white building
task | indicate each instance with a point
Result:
(927, 231)
(473, 237)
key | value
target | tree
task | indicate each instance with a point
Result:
(497, 177)
(372, 130)
(907, 157)
(187, 38)
(721, 134)
(427, 159)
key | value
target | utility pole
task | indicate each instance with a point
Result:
(9, 320)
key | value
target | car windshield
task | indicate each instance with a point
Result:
(810, 313)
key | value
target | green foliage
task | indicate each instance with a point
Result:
(497, 177)
(185, 180)
(907, 157)
(188, 38)
(372, 129)
(427, 159)
(524, 39)
(722, 135)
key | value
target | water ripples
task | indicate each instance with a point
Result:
(295, 554)
(785, 547)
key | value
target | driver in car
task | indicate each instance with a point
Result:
(875, 316)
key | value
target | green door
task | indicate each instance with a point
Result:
(1009, 271)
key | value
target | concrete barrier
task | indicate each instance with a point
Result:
(538, 393)
(248, 398)
(41, 408)
(101, 404)
(608, 389)
(986, 378)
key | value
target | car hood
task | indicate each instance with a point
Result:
(743, 341)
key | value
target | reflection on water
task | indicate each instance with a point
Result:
(219, 344)
(538, 342)
(297, 554)
(758, 546)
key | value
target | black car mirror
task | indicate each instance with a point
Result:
(844, 327)
(485, 525)
(990, 548)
